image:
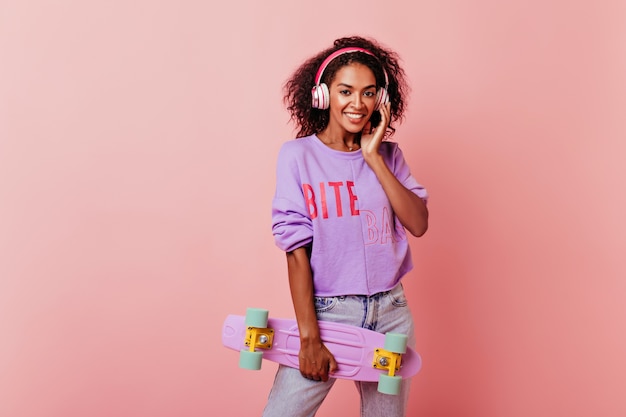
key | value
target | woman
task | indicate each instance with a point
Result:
(344, 198)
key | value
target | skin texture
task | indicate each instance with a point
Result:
(352, 102)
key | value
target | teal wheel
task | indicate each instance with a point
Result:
(250, 360)
(389, 384)
(396, 342)
(256, 317)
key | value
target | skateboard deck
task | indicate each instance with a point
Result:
(361, 354)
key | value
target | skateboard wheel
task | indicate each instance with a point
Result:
(396, 342)
(256, 317)
(250, 360)
(389, 384)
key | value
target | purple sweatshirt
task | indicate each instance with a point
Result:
(333, 200)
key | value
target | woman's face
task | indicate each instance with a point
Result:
(352, 98)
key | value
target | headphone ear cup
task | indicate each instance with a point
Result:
(325, 96)
(320, 96)
(315, 97)
(382, 98)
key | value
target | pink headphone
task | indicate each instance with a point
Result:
(320, 93)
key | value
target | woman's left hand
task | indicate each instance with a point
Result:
(372, 138)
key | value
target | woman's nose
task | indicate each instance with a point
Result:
(358, 100)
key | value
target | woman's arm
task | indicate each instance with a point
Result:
(409, 208)
(316, 361)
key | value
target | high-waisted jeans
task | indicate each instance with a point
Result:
(295, 396)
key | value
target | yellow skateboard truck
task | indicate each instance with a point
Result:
(385, 359)
(259, 337)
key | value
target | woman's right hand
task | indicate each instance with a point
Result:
(316, 361)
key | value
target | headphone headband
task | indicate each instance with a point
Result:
(342, 51)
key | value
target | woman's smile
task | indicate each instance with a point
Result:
(354, 117)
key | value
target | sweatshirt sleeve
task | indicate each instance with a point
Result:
(403, 173)
(291, 222)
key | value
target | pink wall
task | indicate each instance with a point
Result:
(137, 148)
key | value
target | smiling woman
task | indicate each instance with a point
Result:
(340, 216)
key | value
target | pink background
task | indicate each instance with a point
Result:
(137, 150)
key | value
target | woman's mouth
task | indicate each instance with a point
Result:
(355, 117)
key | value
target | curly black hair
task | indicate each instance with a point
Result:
(297, 89)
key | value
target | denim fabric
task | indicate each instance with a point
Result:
(294, 396)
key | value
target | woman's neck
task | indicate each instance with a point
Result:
(347, 142)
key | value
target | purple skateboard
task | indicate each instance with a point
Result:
(361, 354)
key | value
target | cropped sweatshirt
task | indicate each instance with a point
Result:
(332, 201)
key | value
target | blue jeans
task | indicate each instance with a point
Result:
(295, 396)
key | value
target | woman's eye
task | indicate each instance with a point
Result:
(345, 92)
(369, 94)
